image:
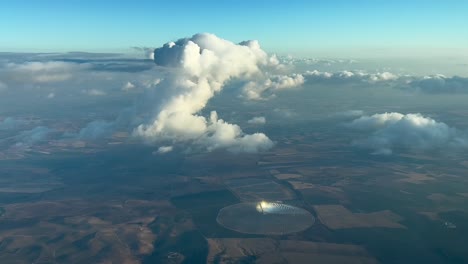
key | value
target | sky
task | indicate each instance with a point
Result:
(306, 28)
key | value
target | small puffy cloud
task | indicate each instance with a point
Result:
(389, 131)
(439, 84)
(51, 95)
(252, 143)
(256, 90)
(284, 112)
(164, 149)
(273, 60)
(375, 121)
(198, 69)
(258, 120)
(96, 130)
(315, 61)
(128, 86)
(151, 83)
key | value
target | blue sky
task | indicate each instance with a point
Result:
(295, 27)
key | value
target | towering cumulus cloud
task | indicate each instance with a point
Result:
(199, 68)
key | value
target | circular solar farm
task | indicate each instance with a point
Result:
(265, 218)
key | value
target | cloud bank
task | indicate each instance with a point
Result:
(200, 67)
(350, 76)
(439, 84)
(389, 131)
(148, 52)
(433, 84)
(43, 72)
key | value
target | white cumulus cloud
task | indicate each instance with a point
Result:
(164, 149)
(389, 131)
(128, 86)
(258, 120)
(438, 84)
(201, 66)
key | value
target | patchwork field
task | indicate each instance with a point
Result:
(267, 250)
(338, 217)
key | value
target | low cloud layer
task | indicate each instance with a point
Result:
(43, 72)
(432, 84)
(148, 52)
(350, 76)
(389, 131)
(201, 66)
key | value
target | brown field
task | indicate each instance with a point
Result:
(285, 176)
(76, 231)
(28, 180)
(416, 178)
(434, 216)
(339, 175)
(308, 189)
(298, 185)
(440, 198)
(338, 217)
(418, 156)
(266, 189)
